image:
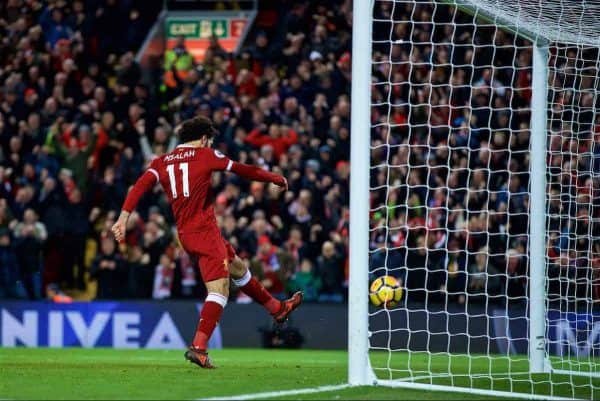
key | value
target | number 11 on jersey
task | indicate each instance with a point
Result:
(184, 178)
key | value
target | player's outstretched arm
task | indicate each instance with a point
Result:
(255, 173)
(217, 161)
(142, 185)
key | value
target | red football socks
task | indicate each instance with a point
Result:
(255, 290)
(210, 315)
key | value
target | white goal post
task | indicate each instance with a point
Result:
(359, 368)
(476, 145)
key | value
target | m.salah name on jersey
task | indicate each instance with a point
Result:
(180, 156)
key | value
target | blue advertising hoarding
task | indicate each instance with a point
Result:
(171, 325)
(574, 334)
(101, 324)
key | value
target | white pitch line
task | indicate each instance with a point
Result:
(282, 393)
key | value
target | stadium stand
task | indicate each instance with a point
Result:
(78, 125)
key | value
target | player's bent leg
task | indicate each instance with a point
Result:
(218, 291)
(218, 286)
(237, 268)
(250, 286)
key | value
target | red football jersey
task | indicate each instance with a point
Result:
(185, 175)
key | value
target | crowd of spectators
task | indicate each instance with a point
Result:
(450, 142)
(451, 127)
(78, 124)
(66, 68)
(451, 137)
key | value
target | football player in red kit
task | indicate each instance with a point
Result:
(185, 175)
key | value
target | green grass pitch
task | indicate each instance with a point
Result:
(153, 374)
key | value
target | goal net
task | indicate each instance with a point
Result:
(483, 196)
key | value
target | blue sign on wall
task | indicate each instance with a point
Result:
(101, 324)
(171, 324)
(574, 334)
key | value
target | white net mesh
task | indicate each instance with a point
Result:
(573, 228)
(564, 21)
(450, 177)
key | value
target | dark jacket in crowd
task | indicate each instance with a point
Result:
(331, 272)
(112, 283)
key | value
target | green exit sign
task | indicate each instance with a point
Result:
(198, 29)
(186, 28)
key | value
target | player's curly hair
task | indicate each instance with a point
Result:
(195, 128)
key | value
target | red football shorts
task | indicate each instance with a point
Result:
(213, 252)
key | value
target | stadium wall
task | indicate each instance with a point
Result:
(171, 324)
(148, 324)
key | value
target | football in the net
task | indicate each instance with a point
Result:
(385, 291)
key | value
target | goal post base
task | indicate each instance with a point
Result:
(546, 366)
(363, 377)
